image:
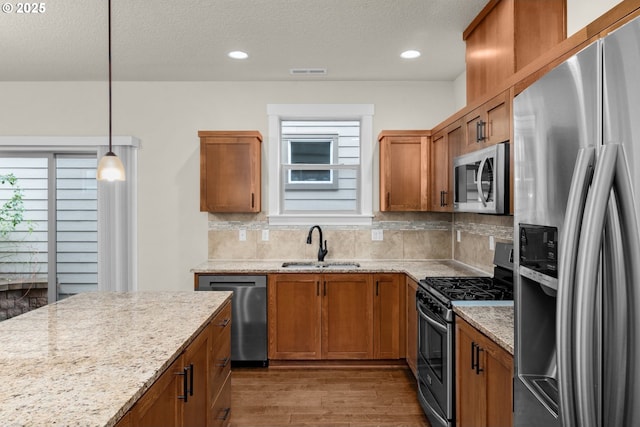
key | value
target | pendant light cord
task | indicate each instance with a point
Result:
(109, 21)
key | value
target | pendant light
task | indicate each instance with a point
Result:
(110, 167)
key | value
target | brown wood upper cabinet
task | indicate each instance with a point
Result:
(335, 316)
(484, 375)
(230, 171)
(445, 145)
(404, 159)
(507, 35)
(489, 124)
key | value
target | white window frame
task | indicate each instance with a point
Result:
(117, 204)
(361, 112)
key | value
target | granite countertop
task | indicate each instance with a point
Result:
(417, 270)
(494, 320)
(85, 360)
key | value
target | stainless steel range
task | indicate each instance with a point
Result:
(436, 339)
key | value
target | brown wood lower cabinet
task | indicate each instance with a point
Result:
(195, 390)
(335, 316)
(484, 380)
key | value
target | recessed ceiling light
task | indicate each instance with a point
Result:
(410, 54)
(238, 54)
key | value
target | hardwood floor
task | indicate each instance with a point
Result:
(325, 397)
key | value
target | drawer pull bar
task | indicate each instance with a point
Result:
(226, 411)
(225, 362)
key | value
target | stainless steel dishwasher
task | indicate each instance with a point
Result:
(248, 315)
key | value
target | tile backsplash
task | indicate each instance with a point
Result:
(405, 236)
(475, 232)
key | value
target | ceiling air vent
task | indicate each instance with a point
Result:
(308, 71)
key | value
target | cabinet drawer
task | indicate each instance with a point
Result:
(220, 365)
(221, 324)
(220, 413)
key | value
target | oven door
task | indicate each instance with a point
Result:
(435, 366)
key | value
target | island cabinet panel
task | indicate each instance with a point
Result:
(230, 171)
(412, 326)
(221, 410)
(294, 316)
(219, 372)
(484, 374)
(196, 362)
(194, 391)
(404, 161)
(336, 316)
(161, 404)
(389, 316)
(347, 316)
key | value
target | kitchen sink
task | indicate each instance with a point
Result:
(302, 265)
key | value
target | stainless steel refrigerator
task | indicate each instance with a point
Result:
(576, 239)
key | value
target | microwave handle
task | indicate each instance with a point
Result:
(479, 181)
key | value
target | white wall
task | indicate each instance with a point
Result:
(166, 116)
(581, 13)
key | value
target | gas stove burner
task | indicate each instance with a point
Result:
(471, 288)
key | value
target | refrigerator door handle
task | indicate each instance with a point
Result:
(567, 258)
(614, 317)
(586, 294)
(631, 249)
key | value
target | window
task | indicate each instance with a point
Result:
(76, 234)
(57, 237)
(323, 164)
(310, 150)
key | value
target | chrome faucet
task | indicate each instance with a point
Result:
(322, 252)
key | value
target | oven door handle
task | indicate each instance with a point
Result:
(434, 323)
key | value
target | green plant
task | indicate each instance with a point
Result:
(12, 210)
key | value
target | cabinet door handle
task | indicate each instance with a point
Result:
(480, 130)
(191, 378)
(318, 288)
(388, 200)
(478, 368)
(226, 412)
(185, 384)
(473, 355)
(377, 286)
(444, 198)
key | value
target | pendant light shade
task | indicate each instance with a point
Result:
(110, 167)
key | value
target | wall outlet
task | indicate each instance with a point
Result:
(458, 236)
(242, 235)
(265, 235)
(492, 243)
(377, 235)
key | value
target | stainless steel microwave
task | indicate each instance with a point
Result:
(481, 180)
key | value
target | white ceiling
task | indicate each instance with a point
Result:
(187, 40)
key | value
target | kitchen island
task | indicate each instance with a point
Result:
(86, 360)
